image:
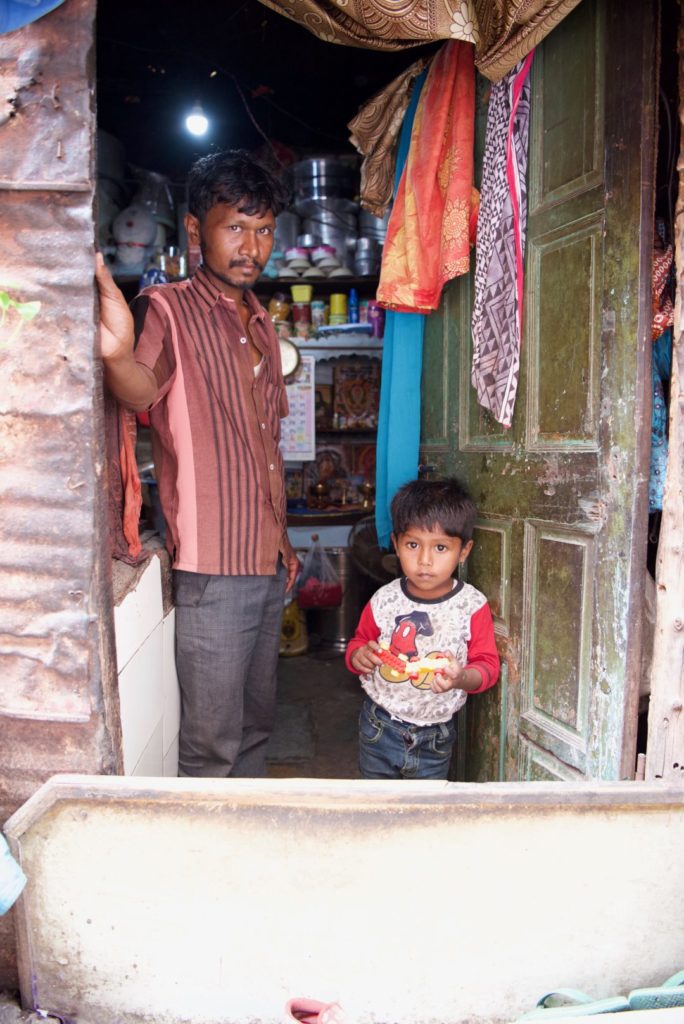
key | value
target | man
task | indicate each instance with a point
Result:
(203, 357)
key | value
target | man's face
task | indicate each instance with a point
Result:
(235, 246)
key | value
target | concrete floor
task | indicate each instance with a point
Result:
(332, 696)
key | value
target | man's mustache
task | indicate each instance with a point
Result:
(247, 263)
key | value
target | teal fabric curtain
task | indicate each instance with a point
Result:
(402, 365)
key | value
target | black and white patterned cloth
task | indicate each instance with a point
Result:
(501, 226)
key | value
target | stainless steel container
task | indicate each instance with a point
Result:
(287, 229)
(367, 256)
(366, 267)
(334, 221)
(373, 227)
(332, 628)
(308, 241)
(324, 178)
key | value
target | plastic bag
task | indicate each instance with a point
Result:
(294, 638)
(319, 585)
(12, 878)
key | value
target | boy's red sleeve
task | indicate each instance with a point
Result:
(482, 652)
(366, 630)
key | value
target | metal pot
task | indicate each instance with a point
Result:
(323, 178)
(287, 229)
(373, 227)
(333, 221)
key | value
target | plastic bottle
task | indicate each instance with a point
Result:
(353, 306)
(376, 317)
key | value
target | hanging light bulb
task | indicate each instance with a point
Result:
(196, 122)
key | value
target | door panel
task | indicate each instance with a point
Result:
(564, 269)
(559, 546)
(567, 148)
(557, 631)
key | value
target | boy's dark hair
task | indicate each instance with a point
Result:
(233, 177)
(434, 503)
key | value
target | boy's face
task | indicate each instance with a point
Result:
(428, 559)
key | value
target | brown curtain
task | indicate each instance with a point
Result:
(503, 31)
(375, 132)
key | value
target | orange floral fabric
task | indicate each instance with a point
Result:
(435, 211)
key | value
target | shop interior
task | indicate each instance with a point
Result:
(267, 85)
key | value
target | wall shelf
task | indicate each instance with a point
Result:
(336, 346)
(326, 285)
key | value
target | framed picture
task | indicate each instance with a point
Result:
(324, 406)
(357, 394)
(363, 461)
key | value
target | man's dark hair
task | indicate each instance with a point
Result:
(233, 177)
(429, 504)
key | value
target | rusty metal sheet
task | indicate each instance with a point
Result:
(48, 471)
(46, 101)
(58, 699)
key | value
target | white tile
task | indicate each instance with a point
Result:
(171, 759)
(138, 614)
(170, 682)
(151, 762)
(141, 698)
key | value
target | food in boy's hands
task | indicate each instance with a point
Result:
(399, 665)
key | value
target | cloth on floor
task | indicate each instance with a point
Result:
(501, 227)
(375, 134)
(124, 493)
(434, 213)
(402, 363)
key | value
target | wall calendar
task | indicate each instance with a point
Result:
(298, 429)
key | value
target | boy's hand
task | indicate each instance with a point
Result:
(364, 659)
(448, 678)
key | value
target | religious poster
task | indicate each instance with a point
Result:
(357, 395)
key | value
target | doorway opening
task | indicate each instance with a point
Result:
(267, 85)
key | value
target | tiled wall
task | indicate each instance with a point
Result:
(148, 686)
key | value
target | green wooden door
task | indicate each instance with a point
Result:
(560, 546)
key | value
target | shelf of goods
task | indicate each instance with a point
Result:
(334, 346)
(326, 285)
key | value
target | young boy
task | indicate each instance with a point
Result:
(423, 641)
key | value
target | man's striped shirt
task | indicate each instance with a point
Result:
(215, 427)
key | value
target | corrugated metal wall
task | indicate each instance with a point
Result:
(58, 704)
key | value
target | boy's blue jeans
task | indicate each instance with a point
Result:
(389, 749)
